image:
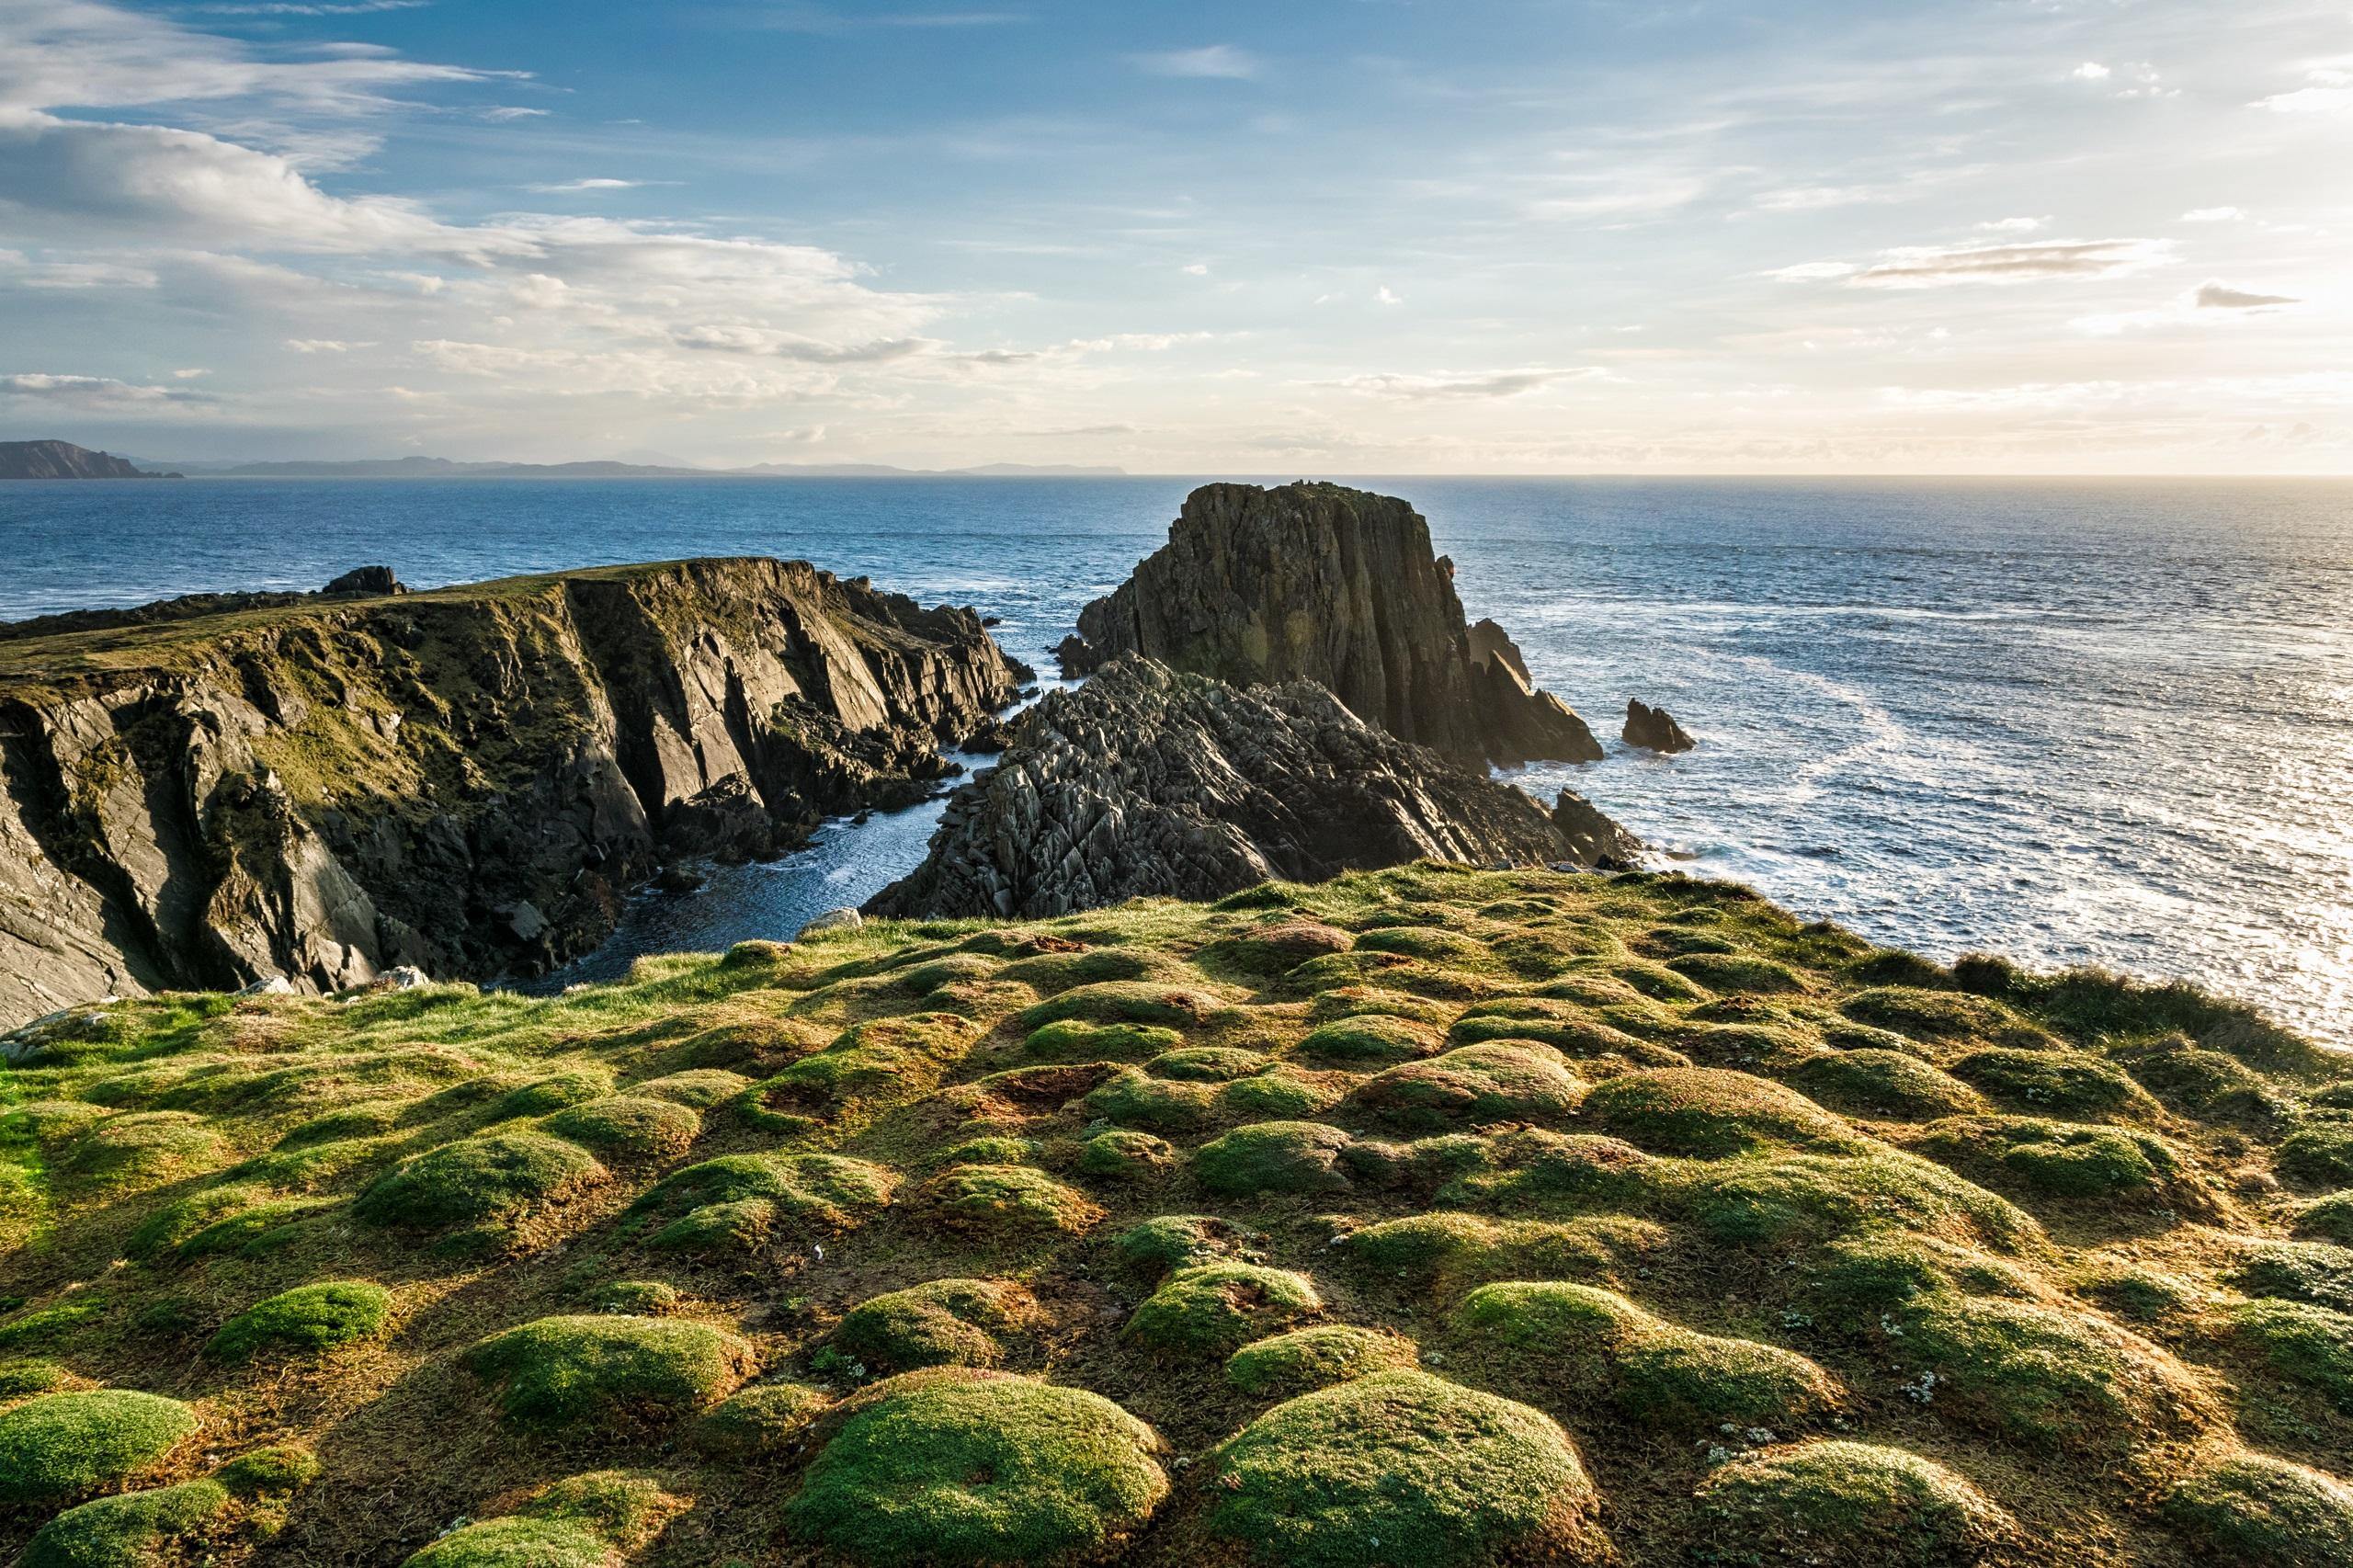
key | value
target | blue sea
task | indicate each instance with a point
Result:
(2071, 720)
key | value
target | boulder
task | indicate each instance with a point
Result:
(365, 581)
(1654, 729)
(1338, 586)
(1147, 782)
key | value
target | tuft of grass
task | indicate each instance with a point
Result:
(2062, 1082)
(966, 1470)
(756, 1422)
(588, 1521)
(562, 1371)
(1310, 1358)
(1373, 1039)
(1010, 1202)
(308, 1319)
(1160, 1246)
(2309, 1345)
(1709, 1113)
(477, 1179)
(1404, 1469)
(626, 1129)
(2298, 1271)
(1118, 1154)
(942, 1323)
(63, 1446)
(128, 1529)
(1850, 1503)
(1218, 1307)
(2266, 1513)
(1273, 1157)
(1473, 1086)
(1075, 1039)
(1888, 1085)
(1579, 1342)
(2318, 1155)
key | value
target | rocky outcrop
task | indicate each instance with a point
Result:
(1339, 586)
(1147, 781)
(64, 460)
(466, 780)
(1654, 729)
(360, 582)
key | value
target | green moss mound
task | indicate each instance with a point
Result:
(972, 1471)
(1273, 1157)
(1404, 1469)
(1014, 1202)
(2308, 1345)
(562, 1371)
(2064, 1082)
(1218, 1307)
(759, 1422)
(1121, 1153)
(1369, 1040)
(1158, 1246)
(588, 1521)
(1075, 1039)
(940, 1322)
(2266, 1513)
(1852, 1503)
(2318, 1155)
(1473, 1085)
(625, 1127)
(1581, 1341)
(1709, 1113)
(1448, 1251)
(476, 1179)
(308, 1319)
(1309, 1359)
(63, 1446)
(129, 1528)
(1886, 1085)
(735, 1200)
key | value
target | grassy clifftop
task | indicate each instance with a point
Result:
(1421, 1218)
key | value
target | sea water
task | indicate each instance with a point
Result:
(2070, 720)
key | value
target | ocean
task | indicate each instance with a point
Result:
(2105, 722)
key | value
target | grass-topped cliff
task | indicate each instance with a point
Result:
(1421, 1218)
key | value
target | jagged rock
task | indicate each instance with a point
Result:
(1655, 728)
(844, 918)
(1147, 781)
(269, 985)
(467, 780)
(1592, 839)
(373, 582)
(1323, 583)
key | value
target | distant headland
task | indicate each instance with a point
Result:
(62, 459)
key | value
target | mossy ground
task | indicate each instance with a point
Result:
(1869, 1245)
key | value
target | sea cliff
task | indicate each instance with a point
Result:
(467, 780)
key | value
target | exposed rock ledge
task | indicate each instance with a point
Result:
(1323, 583)
(466, 780)
(1149, 782)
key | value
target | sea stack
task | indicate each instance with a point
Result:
(1654, 729)
(1339, 586)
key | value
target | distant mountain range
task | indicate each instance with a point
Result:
(64, 460)
(443, 468)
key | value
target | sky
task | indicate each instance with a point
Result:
(1323, 236)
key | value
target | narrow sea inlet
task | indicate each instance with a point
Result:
(2070, 720)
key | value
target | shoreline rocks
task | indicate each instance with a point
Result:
(467, 781)
(1339, 586)
(1149, 781)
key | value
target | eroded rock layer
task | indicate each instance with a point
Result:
(466, 780)
(1147, 782)
(1323, 583)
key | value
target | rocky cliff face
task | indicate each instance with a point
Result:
(1146, 781)
(64, 460)
(467, 780)
(1339, 586)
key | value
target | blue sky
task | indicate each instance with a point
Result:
(1332, 236)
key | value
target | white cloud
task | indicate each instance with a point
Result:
(562, 187)
(325, 345)
(504, 112)
(2328, 90)
(1217, 62)
(348, 8)
(93, 392)
(1932, 266)
(1198, 269)
(2013, 225)
(2213, 215)
(2223, 297)
(1451, 386)
(189, 375)
(1386, 296)
(2090, 71)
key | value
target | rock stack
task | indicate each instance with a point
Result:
(1654, 729)
(1338, 586)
